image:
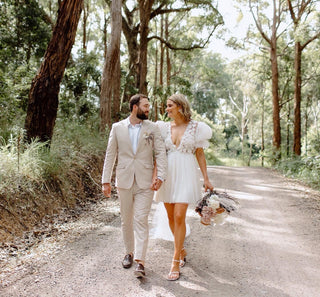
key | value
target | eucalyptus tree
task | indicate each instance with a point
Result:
(43, 96)
(269, 31)
(311, 102)
(137, 31)
(304, 15)
(110, 83)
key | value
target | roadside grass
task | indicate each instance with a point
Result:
(36, 181)
(305, 169)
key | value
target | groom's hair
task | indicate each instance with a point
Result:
(135, 100)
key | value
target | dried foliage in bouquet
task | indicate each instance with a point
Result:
(215, 207)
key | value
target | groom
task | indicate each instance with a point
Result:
(135, 141)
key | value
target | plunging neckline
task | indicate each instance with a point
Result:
(183, 135)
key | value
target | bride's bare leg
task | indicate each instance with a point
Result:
(180, 211)
(177, 216)
(170, 207)
(170, 212)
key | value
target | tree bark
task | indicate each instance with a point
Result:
(84, 29)
(168, 53)
(162, 104)
(155, 103)
(297, 100)
(130, 32)
(111, 73)
(145, 13)
(116, 92)
(43, 95)
(262, 133)
(272, 41)
(303, 9)
(275, 94)
(288, 130)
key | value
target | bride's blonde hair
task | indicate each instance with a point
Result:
(183, 104)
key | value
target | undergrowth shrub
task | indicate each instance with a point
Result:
(36, 181)
(306, 169)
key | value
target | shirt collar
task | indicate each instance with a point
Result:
(130, 125)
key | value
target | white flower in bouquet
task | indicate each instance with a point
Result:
(213, 203)
(215, 207)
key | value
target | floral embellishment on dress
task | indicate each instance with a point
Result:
(148, 137)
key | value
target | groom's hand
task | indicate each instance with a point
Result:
(156, 184)
(106, 189)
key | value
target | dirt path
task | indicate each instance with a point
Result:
(270, 247)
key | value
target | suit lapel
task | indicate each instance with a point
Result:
(141, 135)
(124, 133)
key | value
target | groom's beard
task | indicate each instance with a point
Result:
(142, 115)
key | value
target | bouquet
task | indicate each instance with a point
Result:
(215, 207)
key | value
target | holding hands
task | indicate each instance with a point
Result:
(156, 184)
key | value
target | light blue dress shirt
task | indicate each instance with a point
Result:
(134, 132)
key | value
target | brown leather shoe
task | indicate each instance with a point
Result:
(127, 261)
(139, 272)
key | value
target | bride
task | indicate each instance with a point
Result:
(184, 140)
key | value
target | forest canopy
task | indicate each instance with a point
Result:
(59, 69)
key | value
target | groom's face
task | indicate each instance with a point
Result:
(143, 109)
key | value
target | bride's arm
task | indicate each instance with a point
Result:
(203, 167)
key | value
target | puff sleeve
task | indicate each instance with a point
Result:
(163, 127)
(203, 134)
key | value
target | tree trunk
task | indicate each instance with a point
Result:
(275, 96)
(116, 92)
(145, 12)
(84, 29)
(111, 73)
(43, 95)
(297, 101)
(131, 32)
(306, 130)
(168, 53)
(155, 103)
(272, 41)
(262, 133)
(105, 36)
(288, 130)
(242, 134)
(299, 11)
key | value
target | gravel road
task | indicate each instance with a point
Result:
(269, 247)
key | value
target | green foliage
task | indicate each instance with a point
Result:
(24, 36)
(80, 89)
(210, 83)
(306, 169)
(23, 32)
(27, 166)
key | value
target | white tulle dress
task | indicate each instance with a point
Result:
(182, 184)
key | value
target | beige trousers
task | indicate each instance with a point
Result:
(135, 205)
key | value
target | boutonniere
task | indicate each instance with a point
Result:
(148, 137)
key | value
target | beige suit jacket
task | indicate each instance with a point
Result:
(132, 166)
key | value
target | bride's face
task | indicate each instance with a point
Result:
(172, 109)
